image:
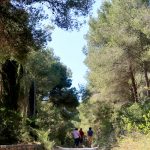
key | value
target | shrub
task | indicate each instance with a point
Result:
(135, 117)
(10, 126)
(43, 138)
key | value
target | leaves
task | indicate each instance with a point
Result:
(64, 13)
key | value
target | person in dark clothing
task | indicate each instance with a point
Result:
(90, 136)
(81, 135)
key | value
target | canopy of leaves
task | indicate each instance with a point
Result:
(64, 97)
(47, 70)
(65, 13)
(15, 36)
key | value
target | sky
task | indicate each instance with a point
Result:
(68, 46)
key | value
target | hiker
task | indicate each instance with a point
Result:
(90, 136)
(76, 136)
(81, 135)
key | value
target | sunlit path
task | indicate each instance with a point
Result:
(61, 148)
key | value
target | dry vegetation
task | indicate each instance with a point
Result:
(137, 142)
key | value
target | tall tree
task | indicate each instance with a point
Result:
(116, 35)
(118, 44)
(15, 42)
(52, 78)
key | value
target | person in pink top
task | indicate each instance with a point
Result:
(76, 136)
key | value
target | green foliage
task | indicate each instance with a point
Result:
(84, 93)
(58, 128)
(97, 115)
(117, 55)
(43, 138)
(64, 13)
(117, 45)
(135, 117)
(10, 127)
(15, 36)
(48, 72)
(51, 76)
(64, 97)
(42, 74)
(18, 37)
(103, 113)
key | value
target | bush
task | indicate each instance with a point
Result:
(10, 126)
(135, 117)
(43, 138)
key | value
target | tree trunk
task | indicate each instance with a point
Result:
(131, 93)
(145, 66)
(31, 110)
(1, 83)
(11, 74)
(133, 83)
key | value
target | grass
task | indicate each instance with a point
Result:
(134, 142)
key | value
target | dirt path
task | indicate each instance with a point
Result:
(61, 148)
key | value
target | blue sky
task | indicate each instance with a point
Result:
(68, 46)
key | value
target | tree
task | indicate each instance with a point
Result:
(116, 35)
(43, 73)
(15, 42)
(50, 78)
(117, 49)
(64, 97)
(15, 36)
